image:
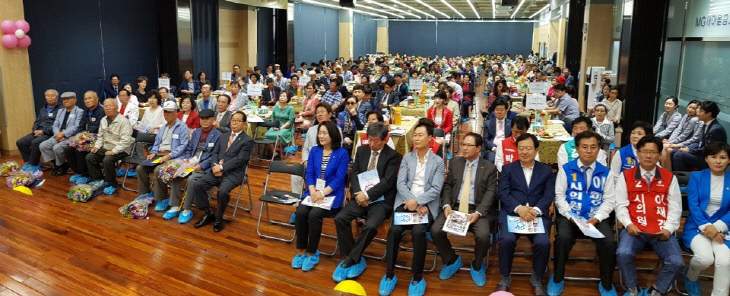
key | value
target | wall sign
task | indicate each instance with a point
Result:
(708, 18)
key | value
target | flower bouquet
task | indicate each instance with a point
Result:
(7, 168)
(136, 209)
(22, 178)
(186, 167)
(168, 170)
(84, 192)
(84, 141)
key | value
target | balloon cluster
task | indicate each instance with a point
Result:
(15, 33)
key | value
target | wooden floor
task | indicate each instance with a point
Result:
(51, 246)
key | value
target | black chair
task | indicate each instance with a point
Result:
(272, 196)
(258, 143)
(140, 138)
(236, 207)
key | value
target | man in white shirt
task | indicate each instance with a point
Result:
(581, 195)
(649, 205)
(569, 152)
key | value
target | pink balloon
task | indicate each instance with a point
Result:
(10, 41)
(8, 27)
(24, 42)
(23, 25)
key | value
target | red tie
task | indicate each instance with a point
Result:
(230, 141)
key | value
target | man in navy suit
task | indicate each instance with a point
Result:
(526, 189)
(496, 129)
(112, 90)
(229, 161)
(400, 88)
(690, 158)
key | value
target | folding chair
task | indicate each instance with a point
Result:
(269, 196)
(428, 252)
(258, 143)
(141, 138)
(375, 240)
(238, 199)
(437, 132)
(647, 248)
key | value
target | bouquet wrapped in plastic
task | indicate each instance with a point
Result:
(137, 209)
(84, 141)
(84, 192)
(169, 169)
(186, 167)
(8, 168)
(22, 178)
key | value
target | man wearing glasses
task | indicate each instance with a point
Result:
(581, 195)
(469, 188)
(649, 205)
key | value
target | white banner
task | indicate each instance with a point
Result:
(254, 89)
(163, 82)
(535, 101)
(539, 87)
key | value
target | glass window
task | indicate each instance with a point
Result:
(704, 75)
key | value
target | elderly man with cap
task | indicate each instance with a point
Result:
(201, 146)
(64, 127)
(170, 143)
(113, 143)
(90, 122)
(29, 145)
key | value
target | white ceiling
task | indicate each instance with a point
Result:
(446, 9)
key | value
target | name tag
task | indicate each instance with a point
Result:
(321, 184)
(93, 119)
(50, 114)
(211, 145)
(71, 115)
(175, 137)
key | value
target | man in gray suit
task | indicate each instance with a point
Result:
(230, 159)
(469, 188)
(222, 115)
(420, 179)
(65, 126)
(206, 102)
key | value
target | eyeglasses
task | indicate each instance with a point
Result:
(352, 103)
(525, 148)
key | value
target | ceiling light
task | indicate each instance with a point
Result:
(434, 9)
(539, 11)
(454, 9)
(413, 8)
(346, 8)
(472, 8)
(518, 8)
(389, 7)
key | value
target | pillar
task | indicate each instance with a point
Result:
(596, 45)
(17, 112)
(251, 40)
(346, 32)
(382, 36)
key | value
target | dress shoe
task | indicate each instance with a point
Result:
(207, 218)
(218, 225)
(540, 290)
(57, 171)
(501, 288)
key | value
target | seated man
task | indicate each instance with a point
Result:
(113, 143)
(649, 205)
(222, 115)
(690, 158)
(386, 97)
(420, 179)
(526, 189)
(29, 145)
(568, 152)
(65, 126)
(170, 143)
(565, 107)
(90, 122)
(581, 191)
(230, 160)
(496, 129)
(506, 151)
(201, 145)
(374, 203)
(372, 118)
(469, 188)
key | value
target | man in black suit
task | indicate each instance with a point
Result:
(230, 158)
(374, 203)
(387, 97)
(400, 87)
(469, 188)
(112, 90)
(270, 95)
(690, 158)
(496, 129)
(222, 115)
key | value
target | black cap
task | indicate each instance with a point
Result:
(206, 113)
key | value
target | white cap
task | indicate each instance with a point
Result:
(169, 106)
(312, 73)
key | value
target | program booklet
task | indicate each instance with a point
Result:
(368, 180)
(409, 218)
(457, 223)
(516, 225)
(587, 228)
(325, 204)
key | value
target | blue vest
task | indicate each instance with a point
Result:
(628, 159)
(570, 150)
(583, 199)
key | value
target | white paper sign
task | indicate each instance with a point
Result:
(539, 87)
(226, 76)
(163, 82)
(535, 101)
(587, 228)
(303, 80)
(416, 85)
(254, 89)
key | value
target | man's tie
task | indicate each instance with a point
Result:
(465, 190)
(373, 158)
(501, 126)
(584, 169)
(230, 141)
(647, 177)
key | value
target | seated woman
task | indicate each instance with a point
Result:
(348, 120)
(373, 117)
(468, 100)
(253, 78)
(311, 99)
(141, 92)
(452, 105)
(555, 81)
(325, 177)
(285, 115)
(614, 106)
(707, 225)
(669, 120)
(129, 110)
(627, 157)
(152, 119)
(688, 132)
(440, 115)
(187, 114)
(203, 78)
(499, 87)
(132, 98)
(604, 127)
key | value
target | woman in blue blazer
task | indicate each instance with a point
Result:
(326, 171)
(706, 229)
